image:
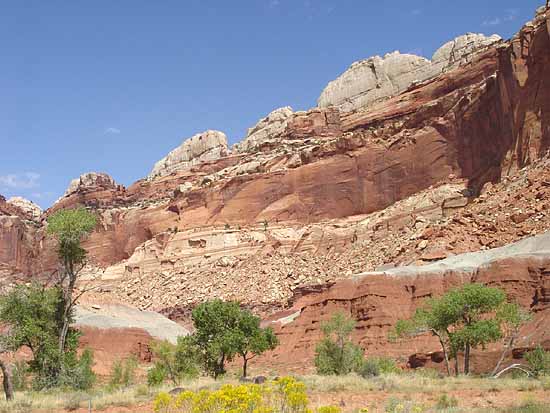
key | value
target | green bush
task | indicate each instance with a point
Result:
(123, 372)
(375, 366)
(369, 368)
(156, 375)
(174, 362)
(19, 375)
(336, 354)
(538, 361)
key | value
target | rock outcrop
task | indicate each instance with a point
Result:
(269, 128)
(28, 207)
(377, 300)
(116, 331)
(452, 165)
(91, 181)
(205, 146)
(372, 80)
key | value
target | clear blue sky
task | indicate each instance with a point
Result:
(114, 85)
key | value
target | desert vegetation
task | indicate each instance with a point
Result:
(208, 370)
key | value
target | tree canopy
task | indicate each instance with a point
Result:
(223, 330)
(464, 318)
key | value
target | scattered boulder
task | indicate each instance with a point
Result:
(260, 379)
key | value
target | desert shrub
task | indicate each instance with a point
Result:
(285, 395)
(538, 361)
(123, 372)
(335, 353)
(18, 406)
(85, 377)
(375, 366)
(174, 362)
(329, 409)
(530, 406)
(74, 401)
(446, 402)
(369, 368)
(156, 375)
(396, 405)
(20, 374)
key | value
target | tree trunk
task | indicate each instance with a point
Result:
(457, 370)
(8, 383)
(445, 355)
(508, 346)
(245, 366)
(467, 359)
(67, 305)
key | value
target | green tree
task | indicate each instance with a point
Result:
(69, 227)
(216, 323)
(251, 340)
(335, 353)
(174, 361)
(7, 374)
(32, 313)
(462, 319)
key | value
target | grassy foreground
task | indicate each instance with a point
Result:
(404, 393)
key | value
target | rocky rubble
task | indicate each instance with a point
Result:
(270, 263)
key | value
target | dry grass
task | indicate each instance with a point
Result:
(408, 388)
(415, 383)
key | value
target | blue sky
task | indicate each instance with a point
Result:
(114, 85)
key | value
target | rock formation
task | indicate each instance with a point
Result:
(455, 164)
(205, 146)
(269, 128)
(28, 207)
(91, 181)
(372, 80)
(521, 269)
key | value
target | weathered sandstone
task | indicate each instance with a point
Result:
(205, 146)
(269, 128)
(369, 81)
(377, 300)
(28, 207)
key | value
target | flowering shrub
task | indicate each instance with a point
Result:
(284, 395)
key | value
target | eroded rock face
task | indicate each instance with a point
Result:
(205, 146)
(91, 181)
(372, 80)
(377, 300)
(29, 207)
(269, 128)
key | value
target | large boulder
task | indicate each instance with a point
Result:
(377, 78)
(205, 146)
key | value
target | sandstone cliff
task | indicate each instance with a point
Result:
(375, 79)
(453, 164)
